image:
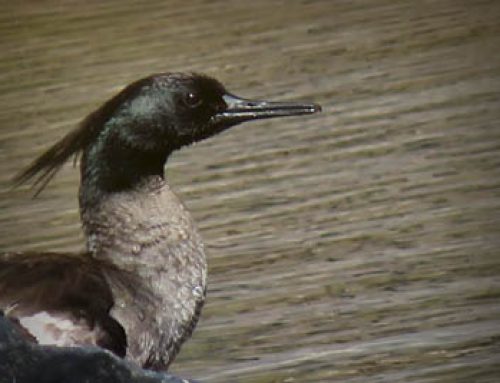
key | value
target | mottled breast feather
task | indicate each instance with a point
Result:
(160, 284)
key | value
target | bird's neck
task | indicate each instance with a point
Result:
(113, 164)
(144, 230)
(132, 220)
(129, 214)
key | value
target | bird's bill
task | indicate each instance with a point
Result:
(240, 109)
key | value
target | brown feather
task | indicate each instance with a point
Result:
(72, 286)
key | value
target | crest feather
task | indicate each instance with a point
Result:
(45, 167)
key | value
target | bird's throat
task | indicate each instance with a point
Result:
(112, 165)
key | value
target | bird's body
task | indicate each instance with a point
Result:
(139, 289)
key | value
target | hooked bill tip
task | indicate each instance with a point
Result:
(316, 108)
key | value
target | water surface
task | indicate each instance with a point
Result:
(358, 245)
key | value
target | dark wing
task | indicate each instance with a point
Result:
(59, 299)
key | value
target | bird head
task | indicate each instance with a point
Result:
(168, 111)
(144, 123)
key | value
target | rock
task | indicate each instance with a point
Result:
(24, 362)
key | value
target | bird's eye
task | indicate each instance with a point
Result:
(192, 100)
